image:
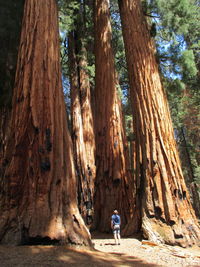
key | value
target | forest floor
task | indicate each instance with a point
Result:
(131, 252)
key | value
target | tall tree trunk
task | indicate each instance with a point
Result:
(82, 117)
(167, 214)
(82, 133)
(38, 194)
(88, 130)
(114, 185)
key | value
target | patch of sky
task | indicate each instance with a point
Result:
(170, 51)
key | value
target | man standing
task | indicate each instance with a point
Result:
(115, 225)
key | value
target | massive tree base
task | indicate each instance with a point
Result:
(73, 231)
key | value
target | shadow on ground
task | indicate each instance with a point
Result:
(42, 256)
(99, 235)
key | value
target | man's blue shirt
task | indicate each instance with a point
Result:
(116, 219)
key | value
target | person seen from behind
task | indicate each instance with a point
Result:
(115, 225)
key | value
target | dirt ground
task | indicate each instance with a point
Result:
(131, 252)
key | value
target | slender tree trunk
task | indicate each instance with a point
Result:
(38, 194)
(114, 185)
(167, 214)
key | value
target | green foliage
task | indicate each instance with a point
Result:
(178, 30)
(68, 14)
(129, 127)
(76, 16)
(175, 86)
(91, 72)
(176, 102)
(177, 15)
(188, 64)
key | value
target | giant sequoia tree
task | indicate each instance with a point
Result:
(82, 129)
(81, 114)
(167, 214)
(38, 190)
(113, 186)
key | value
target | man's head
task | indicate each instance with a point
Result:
(115, 212)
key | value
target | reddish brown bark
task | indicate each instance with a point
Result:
(82, 130)
(88, 133)
(167, 215)
(114, 186)
(38, 195)
(81, 116)
(87, 115)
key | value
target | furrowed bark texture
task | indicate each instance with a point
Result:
(82, 132)
(38, 196)
(87, 117)
(88, 132)
(167, 215)
(113, 187)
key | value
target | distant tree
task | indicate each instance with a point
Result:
(167, 214)
(38, 191)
